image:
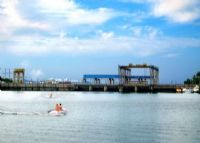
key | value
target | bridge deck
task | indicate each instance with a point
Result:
(105, 76)
(92, 87)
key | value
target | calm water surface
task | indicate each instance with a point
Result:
(100, 118)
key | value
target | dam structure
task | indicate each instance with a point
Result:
(128, 79)
(125, 80)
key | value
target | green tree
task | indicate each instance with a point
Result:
(6, 80)
(194, 80)
(198, 74)
(188, 81)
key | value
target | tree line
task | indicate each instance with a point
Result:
(6, 80)
(194, 80)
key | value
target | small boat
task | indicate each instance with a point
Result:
(187, 90)
(195, 89)
(178, 90)
(57, 113)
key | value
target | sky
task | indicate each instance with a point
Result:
(64, 39)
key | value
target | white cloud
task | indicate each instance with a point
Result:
(58, 5)
(136, 45)
(36, 74)
(145, 31)
(177, 10)
(105, 35)
(73, 14)
(180, 11)
(56, 16)
(11, 18)
(30, 71)
(145, 40)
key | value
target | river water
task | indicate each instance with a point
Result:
(99, 117)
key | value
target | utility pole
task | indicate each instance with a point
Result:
(9, 73)
(5, 73)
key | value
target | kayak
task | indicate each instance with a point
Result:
(57, 113)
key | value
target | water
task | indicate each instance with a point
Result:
(100, 118)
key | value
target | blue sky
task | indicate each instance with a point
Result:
(68, 38)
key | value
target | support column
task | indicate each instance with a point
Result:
(154, 76)
(151, 88)
(110, 82)
(135, 89)
(90, 88)
(121, 89)
(151, 76)
(105, 88)
(95, 81)
(157, 76)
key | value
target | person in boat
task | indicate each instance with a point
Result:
(57, 108)
(60, 106)
(51, 95)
